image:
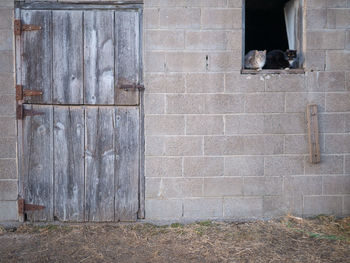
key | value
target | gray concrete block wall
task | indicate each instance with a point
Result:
(224, 145)
(8, 166)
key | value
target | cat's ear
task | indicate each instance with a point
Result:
(265, 52)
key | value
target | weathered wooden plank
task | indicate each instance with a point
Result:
(99, 163)
(313, 134)
(99, 57)
(68, 57)
(38, 161)
(127, 68)
(37, 55)
(127, 163)
(69, 163)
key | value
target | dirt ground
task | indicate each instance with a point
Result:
(322, 239)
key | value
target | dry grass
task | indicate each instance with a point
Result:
(322, 239)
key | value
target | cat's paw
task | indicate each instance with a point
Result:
(287, 69)
(259, 69)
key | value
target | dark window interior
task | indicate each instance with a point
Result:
(265, 27)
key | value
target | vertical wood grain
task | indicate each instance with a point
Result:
(99, 163)
(127, 163)
(38, 161)
(313, 133)
(68, 57)
(127, 56)
(37, 55)
(69, 163)
(99, 57)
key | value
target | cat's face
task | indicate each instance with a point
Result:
(260, 55)
(291, 54)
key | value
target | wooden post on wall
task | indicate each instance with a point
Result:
(313, 135)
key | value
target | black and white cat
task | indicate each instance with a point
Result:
(278, 59)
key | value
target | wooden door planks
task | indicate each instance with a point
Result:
(127, 168)
(99, 57)
(69, 163)
(313, 133)
(36, 53)
(38, 161)
(127, 67)
(68, 57)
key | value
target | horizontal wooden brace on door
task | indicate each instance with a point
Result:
(19, 28)
(23, 207)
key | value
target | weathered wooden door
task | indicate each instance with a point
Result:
(79, 118)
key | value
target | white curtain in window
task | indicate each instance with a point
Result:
(291, 15)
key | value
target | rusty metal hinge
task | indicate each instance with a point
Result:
(21, 93)
(18, 27)
(127, 87)
(23, 207)
(21, 112)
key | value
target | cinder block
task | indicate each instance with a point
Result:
(154, 61)
(346, 205)
(347, 164)
(223, 145)
(213, 40)
(224, 103)
(285, 123)
(274, 206)
(6, 40)
(243, 207)
(244, 166)
(262, 185)
(316, 18)
(264, 102)
(338, 18)
(221, 18)
(285, 82)
(325, 39)
(336, 3)
(331, 123)
(7, 83)
(296, 144)
(244, 124)
(347, 80)
(206, 3)
(304, 185)
(234, 3)
(184, 146)
(6, 4)
(163, 209)
(235, 82)
(8, 169)
(336, 185)
(185, 104)
(338, 60)
(315, 60)
(328, 205)
(7, 147)
(205, 83)
(151, 17)
(164, 39)
(263, 144)
(186, 62)
(6, 61)
(165, 125)
(316, 3)
(181, 187)
(188, 18)
(225, 61)
(203, 208)
(337, 143)
(154, 145)
(153, 188)
(163, 166)
(284, 165)
(165, 83)
(224, 186)
(297, 102)
(154, 103)
(337, 102)
(8, 190)
(203, 166)
(204, 125)
(332, 81)
(7, 127)
(6, 19)
(330, 164)
(8, 211)
(7, 105)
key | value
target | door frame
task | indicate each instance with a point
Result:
(115, 5)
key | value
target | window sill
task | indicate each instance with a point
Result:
(273, 71)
